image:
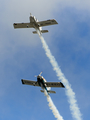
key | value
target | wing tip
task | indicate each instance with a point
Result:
(62, 85)
(14, 25)
(22, 81)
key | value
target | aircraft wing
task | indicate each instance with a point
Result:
(47, 22)
(29, 82)
(54, 84)
(23, 25)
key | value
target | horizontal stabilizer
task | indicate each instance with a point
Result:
(34, 32)
(42, 31)
(49, 91)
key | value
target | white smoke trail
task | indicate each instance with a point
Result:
(69, 92)
(52, 106)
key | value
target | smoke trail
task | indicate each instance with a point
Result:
(52, 106)
(69, 92)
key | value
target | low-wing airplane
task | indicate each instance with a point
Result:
(34, 23)
(41, 82)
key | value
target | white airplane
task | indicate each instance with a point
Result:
(34, 23)
(41, 82)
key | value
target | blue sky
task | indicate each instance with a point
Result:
(22, 56)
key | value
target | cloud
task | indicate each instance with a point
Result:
(77, 4)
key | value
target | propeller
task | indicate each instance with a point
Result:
(39, 74)
(30, 14)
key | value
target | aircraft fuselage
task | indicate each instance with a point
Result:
(41, 81)
(34, 21)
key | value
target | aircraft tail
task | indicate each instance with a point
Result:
(42, 31)
(49, 91)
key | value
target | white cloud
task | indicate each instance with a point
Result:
(77, 4)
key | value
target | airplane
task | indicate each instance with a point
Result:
(34, 23)
(41, 82)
